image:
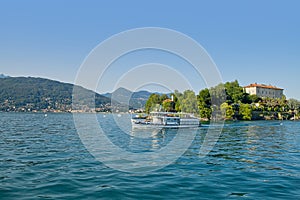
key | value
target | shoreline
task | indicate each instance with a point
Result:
(203, 121)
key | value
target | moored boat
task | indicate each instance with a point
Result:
(166, 120)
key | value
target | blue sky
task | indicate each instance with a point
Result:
(252, 41)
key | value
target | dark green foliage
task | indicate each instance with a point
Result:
(245, 111)
(204, 97)
(234, 92)
(204, 103)
(254, 98)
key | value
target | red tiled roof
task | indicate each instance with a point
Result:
(167, 100)
(263, 86)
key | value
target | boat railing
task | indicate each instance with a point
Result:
(173, 114)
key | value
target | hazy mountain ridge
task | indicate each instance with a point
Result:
(135, 100)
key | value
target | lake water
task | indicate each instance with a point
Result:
(42, 157)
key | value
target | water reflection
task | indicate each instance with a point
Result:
(155, 137)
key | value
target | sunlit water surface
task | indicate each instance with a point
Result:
(42, 157)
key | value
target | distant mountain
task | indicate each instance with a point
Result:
(27, 94)
(3, 76)
(119, 94)
(139, 98)
(136, 99)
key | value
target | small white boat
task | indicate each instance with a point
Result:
(165, 120)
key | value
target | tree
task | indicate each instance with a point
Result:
(254, 98)
(189, 102)
(293, 104)
(163, 97)
(168, 105)
(178, 98)
(282, 103)
(204, 104)
(245, 111)
(205, 113)
(227, 110)
(294, 107)
(234, 92)
(152, 103)
(218, 95)
(204, 97)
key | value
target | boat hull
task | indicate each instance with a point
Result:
(165, 120)
(147, 126)
(152, 125)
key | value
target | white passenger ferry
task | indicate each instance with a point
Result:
(165, 120)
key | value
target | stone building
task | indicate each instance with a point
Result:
(263, 90)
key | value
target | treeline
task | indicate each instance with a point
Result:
(227, 101)
(174, 102)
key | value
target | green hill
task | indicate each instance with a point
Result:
(38, 94)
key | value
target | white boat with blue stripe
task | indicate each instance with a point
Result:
(165, 120)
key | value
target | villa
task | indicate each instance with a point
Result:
(263, 90)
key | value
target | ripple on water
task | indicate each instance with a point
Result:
(43, 158)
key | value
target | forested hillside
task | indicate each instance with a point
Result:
(36, 94)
